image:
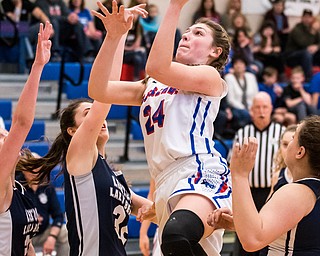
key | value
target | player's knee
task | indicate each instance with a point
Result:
(181, 234)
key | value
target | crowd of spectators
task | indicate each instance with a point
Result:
(281, 60)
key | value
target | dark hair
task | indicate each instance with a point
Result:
(58, 150)
(309, 138)
(220, 39)
(202, 11)
(239, 57)
(275, 37)
(72, 7)
(270, 71)
(236, 35)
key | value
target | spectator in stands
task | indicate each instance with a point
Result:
(297, 99)
(150, 25)
(267, 47)
(20, 10)
(207, 9)
(243, 87)
(268, 134)
(85, 18)
(18, 215)
(233, 7)
(238, 21)
(271, 86)
(225, 124)
(242, 46)
(277, 16)
(67, 28)
(135, 53)
(52, 236)
(314, 89)
(23, 11)
(303, 45)
(98, 200)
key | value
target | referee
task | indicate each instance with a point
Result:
(268, 135)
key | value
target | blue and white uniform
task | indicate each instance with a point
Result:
(178, 128)
(18, 224)
(283, 179)
(98, 205)
(304, 238)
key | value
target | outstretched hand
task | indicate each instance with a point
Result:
(137, 10)
(243, 158)
(44, 44)
(119, 21)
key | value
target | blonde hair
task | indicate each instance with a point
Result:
(278, 159)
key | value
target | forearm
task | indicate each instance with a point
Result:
(138, 202)
(292, 102)
(54, 231)
(40, 15)
(25, 108)
(102, 67)
(245, 215)
(315, 99)
(144, 227)
(160, 56)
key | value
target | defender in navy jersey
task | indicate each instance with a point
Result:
(289, 221)
(179, 103)
(18, 216)
(98, 201)
(18, 224)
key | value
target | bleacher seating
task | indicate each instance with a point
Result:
(40, 147)
(76, 92)
(51, 71)
(37, 130)
(223, 147)
(5, 109)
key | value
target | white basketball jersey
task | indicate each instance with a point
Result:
(176, 124)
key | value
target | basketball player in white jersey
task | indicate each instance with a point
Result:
(179, 103)
(18, 215)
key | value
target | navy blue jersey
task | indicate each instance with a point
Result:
(304, 238)
(48, 207)
(18, 224)
(98, 205)
(282, 179)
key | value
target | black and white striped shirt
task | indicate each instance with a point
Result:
(268, 143)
